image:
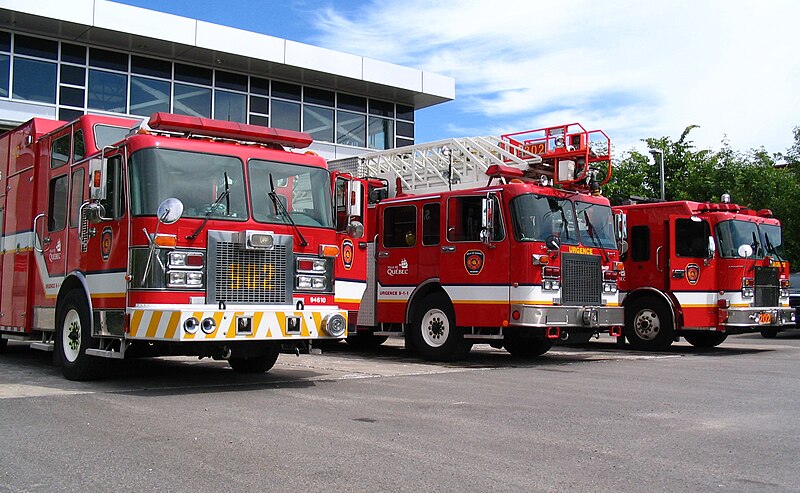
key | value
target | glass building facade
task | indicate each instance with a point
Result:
(76, 79)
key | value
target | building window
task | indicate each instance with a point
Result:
(111, 60)
(5, 65)
(73, 54)
(192, 100)
(351, 129)
(71, 96)
(108, 91)
(230, 106)
(151, 66)
(192, 74)
(36, 47)
(318, 122)
(381, 131)
(149, 96)
(285, 115)
(285, 91)
(34, 80)
(70, 74)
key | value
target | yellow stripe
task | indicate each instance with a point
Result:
(257, 323)
(347, 300)
(701, 305)
(304, 330)
(108, 295)
(135, 321)
(152, 329)
(174, 319)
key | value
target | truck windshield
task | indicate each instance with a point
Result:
(595, 224)
(196, 179)
(304, 193)
(734, 233)
(771, 239)
(536, 217)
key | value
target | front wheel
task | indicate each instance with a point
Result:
(705, 339)
(523, 347)
(433, 330)
(73, 338)
(256, 364)
(366, 340)
(770, 333)
(649, 325)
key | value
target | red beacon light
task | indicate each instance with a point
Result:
(170, 122)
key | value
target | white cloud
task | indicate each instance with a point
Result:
(635, 69)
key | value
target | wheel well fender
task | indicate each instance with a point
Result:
(76, 281)
(423, 290)
(647, 292)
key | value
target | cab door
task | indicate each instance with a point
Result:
(691, 272)
(474, 268)
(397, 255)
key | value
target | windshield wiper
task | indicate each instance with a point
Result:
(224, 195)
(771, 247)
(280, 208)
(593, 234)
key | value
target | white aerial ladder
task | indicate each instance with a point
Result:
(459, 163)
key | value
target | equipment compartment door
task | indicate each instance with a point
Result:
(475, 274)
(691, 270)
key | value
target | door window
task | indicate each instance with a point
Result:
(57, 200)
(691, 238)
(400, 226)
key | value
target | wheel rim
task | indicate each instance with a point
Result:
(71, 336)
(435, 328)
(646, 324)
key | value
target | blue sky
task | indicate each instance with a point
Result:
(634, 69)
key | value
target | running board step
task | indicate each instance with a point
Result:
(104, 354)
(43, 346)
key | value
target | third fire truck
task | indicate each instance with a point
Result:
(189, 236)
(505, 241)
(702, 271)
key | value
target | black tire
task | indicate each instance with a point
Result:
(526, 347)
(73, 338)
(365, 340)
(256, 364)
(649, 324)
(433, 330)
(705, 339)
(770, 333)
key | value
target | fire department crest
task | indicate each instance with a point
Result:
(347, 254)
(473, 261)
(105, 242)
(692, 273)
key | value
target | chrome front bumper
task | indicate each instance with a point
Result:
(581, 317)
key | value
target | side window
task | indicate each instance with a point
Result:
(59, 151)
(76, 196)
(114, 203)
(57, 204)
(640, 243)
(400, 226)
(430, 224)
(78, 147)
(464, 219)
(691, 238)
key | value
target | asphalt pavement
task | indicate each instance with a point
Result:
(589, 418)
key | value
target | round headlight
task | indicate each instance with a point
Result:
(190, 325)
(334, 325)
(208, 325)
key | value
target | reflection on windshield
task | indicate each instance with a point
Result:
(196, 179)
(535, 218)
(304, 193)
(595, 224)
(764, 239)
(105, 135)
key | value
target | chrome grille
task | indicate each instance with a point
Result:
(249, 275)
(581, 280)
(767, 289)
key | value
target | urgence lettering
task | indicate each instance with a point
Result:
(581, 250)
(250, 276)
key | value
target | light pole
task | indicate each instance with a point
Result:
(661, 162)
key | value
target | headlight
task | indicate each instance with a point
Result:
(180, 278)
(191, 260)
(334, 325)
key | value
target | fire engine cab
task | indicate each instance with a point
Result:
(183, 236)
(702, 271)
(525, 258)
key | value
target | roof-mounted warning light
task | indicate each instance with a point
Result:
(170, 122)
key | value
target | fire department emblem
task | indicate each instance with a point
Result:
(473, 261)
(347, 254)
(692, 273)
(105, 242)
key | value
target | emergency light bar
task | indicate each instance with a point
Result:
(170, 122)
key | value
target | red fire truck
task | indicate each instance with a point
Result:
(702, 271)
(526, 258)
(184, 236)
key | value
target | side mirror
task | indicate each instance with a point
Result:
(355, 230)
(712, 247)
(487, 218)
(745, 251)
(623, 247)
(355, 193)
(170, 210)
(553, 242)
(621, 225)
